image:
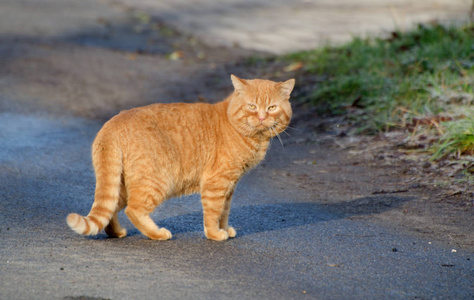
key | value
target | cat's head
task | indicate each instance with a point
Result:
(260, 107)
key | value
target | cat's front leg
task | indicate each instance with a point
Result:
(212, 210)
(216, 210)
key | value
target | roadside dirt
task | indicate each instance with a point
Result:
(391, 189)
(95, 74)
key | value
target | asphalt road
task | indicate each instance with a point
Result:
(290, 243)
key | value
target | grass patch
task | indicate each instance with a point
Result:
(425, 75)
(458, 139)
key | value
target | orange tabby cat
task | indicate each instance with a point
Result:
(146, 155)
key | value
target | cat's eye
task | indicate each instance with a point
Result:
(252, 106)
(272, 107)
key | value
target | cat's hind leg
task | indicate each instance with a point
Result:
(114, 229)
(140, 205)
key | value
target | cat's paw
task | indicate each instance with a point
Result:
(120, 233)
(161, 234)
(231, 231)
(220, 235)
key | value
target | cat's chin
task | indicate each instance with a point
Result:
(267, 132)
(270, 130)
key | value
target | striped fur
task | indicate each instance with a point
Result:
(146, 155)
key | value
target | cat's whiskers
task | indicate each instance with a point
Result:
(292, 128)
(243, 128)
(287, 132)
(283, 129)
(272, 129)
(250, 129)
(271, 141)
(236, 133)
(246, 129)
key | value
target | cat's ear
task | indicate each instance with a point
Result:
(239, 84)
(286, 87)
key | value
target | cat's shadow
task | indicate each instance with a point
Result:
(253, 219)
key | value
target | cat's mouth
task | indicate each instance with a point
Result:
(264, 127)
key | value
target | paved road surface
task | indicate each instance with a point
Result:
(291, 244)
(288, 246)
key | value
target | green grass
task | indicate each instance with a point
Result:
(458, 139)
(418, 75)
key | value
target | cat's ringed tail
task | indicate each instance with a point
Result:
(78, 223)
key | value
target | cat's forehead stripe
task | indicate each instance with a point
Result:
(264, 100)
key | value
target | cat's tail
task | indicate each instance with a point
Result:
(107, 161)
